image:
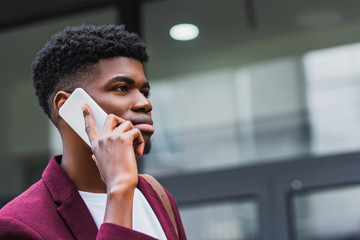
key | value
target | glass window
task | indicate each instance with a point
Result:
(226, 117)
(234, 97)
(327, 214)
(333, 85)
(222, 221)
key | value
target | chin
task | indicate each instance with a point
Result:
(147, 148)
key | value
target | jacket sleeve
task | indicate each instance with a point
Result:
(13, 229)
(180, 227)
(110, 231)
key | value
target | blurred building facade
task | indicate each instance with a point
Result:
(257, 119)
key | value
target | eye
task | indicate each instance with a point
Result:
(121, 88)
(146, 93)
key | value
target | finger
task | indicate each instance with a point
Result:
(138, 141)
(90, 127)
(124, 127)
(111, 122)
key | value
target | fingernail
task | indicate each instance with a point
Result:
(84, 109)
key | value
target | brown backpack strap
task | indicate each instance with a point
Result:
(163, 196)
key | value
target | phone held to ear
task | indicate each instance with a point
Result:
(72, 113)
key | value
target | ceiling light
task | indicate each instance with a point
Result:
(184, 32)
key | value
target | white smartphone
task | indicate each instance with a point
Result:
(73, 115)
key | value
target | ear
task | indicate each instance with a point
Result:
(59, 99)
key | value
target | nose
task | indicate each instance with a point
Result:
(141, 103)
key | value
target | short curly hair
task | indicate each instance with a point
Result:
(74, 52)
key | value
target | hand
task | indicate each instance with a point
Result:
(114, 149)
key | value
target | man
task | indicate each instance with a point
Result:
(94, 193)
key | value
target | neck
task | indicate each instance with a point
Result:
(79, 165)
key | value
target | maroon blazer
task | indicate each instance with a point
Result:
(52, 208)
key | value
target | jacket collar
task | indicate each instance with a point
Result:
(76, 215)
(71, 207)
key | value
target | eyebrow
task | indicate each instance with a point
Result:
(128, 81)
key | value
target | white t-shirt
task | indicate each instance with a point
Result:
(143, 219)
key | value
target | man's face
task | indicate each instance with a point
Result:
(122, 89)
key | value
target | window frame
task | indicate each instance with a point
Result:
(270, 183)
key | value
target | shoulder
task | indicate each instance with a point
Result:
(28, 215)
(171, 198)
(155, 188)
(29, 205)
(161, 190)
(151, 183)
(14, 229)
(18, 213)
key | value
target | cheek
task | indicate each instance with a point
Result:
(119, 108)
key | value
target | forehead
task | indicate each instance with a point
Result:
(121, 66)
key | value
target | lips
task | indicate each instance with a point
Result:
(144, 124)
(144, 127)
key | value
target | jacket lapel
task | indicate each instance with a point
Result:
(71, 207)
(78, 218)
(74, 212)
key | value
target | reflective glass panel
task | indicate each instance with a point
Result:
(234, 96)
(222, 221)
(333, 85)
(327, 214)
(225, 117)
